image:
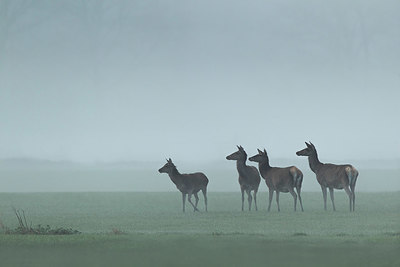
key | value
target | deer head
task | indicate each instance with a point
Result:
(260, 157)
(308, 151)
(168, 167)
(238, 155)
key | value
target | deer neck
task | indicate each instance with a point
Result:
(175, 176)
(314, 162)
(241, 167)
(264, 167)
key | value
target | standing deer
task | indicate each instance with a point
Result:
(331, 176)
(189, 184)
(279, 179)
(249, 179)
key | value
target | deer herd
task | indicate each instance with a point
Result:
(287, 179)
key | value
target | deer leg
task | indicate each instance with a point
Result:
(298, 189)
(294, 197)
(242, 197)
(255, 199)
(271, 194)
(277, 200)
(205, 196)
(183, 201)
(352, 175)
(350, 196)
(249, 198)
(332, 198)
(352, 187)
(190, 201)
(196, 197)
(324, 195)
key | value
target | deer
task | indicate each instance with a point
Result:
(188, 184)
(249, 179)
(331, 176)
(279, 179)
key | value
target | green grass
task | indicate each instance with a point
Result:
(158, 233)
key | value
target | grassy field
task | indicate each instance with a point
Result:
(156, 232)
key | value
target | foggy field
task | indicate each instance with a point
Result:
(157, 232)
(95, 95)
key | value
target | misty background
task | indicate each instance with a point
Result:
(94, 95)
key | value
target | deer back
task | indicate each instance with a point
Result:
(195, 181)
(333, 176)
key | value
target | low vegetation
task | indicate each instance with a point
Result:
(27, 229)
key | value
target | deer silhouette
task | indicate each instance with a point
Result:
(279, 179)
(331, 176)
(189, 184)
(249, 179)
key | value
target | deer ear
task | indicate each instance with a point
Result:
(307, 144)
(170, 160)
(312, 145)
(265, 151)
(259, 151)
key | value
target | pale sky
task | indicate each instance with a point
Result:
(145, 80)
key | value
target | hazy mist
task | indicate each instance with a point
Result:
(107, 81)
(113, 80)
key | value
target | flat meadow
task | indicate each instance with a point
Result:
(149, 229)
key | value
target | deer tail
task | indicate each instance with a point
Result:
(297, 176)
(352, 174)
